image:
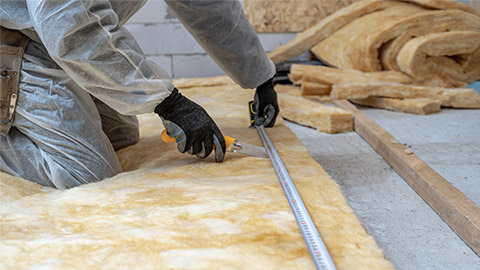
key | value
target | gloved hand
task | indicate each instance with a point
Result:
(194, 130)
(266, 104)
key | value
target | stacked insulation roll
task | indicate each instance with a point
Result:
(436, 45)
(413, 55)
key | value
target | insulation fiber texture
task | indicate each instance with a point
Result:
(173, 211)
(289, 15)
(439, 45)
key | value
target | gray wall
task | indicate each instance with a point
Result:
(165, 41)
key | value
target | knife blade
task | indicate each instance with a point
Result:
(233, 146)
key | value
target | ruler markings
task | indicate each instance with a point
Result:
(314, 242)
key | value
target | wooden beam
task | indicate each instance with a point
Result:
(456, 209)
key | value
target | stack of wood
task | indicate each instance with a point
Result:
(385, 89)
(413, 56)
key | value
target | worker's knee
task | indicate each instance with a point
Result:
(46, 171)
(131, 140)
(72, 174)
(123, 134)
(121, 130)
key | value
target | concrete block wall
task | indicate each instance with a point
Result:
(165, 41)
(474, 3)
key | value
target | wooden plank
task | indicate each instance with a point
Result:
(456, 209)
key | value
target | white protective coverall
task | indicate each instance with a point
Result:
(83, 71)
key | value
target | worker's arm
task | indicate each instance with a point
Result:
(85, 40)
(224, 32)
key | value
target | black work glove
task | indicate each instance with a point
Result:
(266, 104)
(193, 129)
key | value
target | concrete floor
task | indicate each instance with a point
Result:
(412, 235)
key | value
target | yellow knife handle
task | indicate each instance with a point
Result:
(168, 139)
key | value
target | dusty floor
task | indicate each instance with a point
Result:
(410, 232)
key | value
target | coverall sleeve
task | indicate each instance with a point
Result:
(84, 38)
(223, 31)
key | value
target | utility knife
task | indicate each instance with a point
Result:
(232, 145)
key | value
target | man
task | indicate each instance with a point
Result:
(82, 71)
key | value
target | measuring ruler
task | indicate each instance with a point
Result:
(317, 248)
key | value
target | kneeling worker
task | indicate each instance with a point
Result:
(73, 79)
